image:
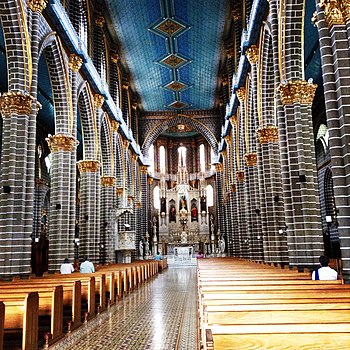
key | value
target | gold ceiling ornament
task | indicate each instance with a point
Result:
(173, 61)
(61, 142)
(234, 120)
(107, 181)
(99, 21)
(169, 27)
(252, 54)
(98, 100)
(234, 188)
(37, 5)
(75, 62)
(176, 86)
(16, 103)
(240, 175)
(119, 191)
(218, 167)
(114, 124)
(332, 12)
(88, 166)
(297, 91)
(268, 134)
(114, 58)
(251, 159)
(138, 205)
(144, 169)
(240, 94)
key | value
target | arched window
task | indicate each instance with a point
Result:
(323, 136)
(202, 158)
(182, 156)
(151, 159)
(210, 196)
(162, 159)
(156, 200)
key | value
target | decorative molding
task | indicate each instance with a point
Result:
(37, 5)
(252, 54)
(16, 103)
(62, 142)
(218, 167)
(333, 12)
(297, 91)
(75, 62)
(240, 94)
(88, 166)
(251, 159)
(107, 181)
(98, 100)
(240, 175)
(99, 21)
(268, 134)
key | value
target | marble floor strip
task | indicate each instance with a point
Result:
(160, 315)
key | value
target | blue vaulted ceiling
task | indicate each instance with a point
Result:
(172, 49)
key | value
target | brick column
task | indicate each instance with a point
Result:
(144, 205)
(61, 228)
(219, 198)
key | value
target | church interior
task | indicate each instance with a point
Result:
(188, 129)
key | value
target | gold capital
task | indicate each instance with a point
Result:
(126, 143)
(114, 58)
(268, 134)
(88, 166)
(230, 52)
(126, 85)
(134, 157)
(234, 120)
(98, 100)
(252, 54)
(332, 12)
(107, 181)
(138, 205)
(241, 93)
(144, 169)
(224, 81)
(114, 124)
(218, 167)
(62, 142)
(16, 103)
(150, 180)
(75, 62)
(234, 187)
(228, 139)
(37, 5)
(251, 159)
(224, 153)
(134, 105)
(119, 191)
(240, 175)
(297, 91)
(99, 21)
(345, 7)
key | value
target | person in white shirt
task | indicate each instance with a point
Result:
(66, 267)
(87, 266)
(324, 272)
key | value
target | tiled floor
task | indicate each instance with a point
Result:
(160, 315)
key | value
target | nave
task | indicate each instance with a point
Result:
(160, 315)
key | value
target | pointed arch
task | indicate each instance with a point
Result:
(106, 147)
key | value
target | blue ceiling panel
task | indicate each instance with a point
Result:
(165, 41)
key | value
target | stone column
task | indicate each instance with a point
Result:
(61, 234)
(89, 209)
(333, 23)
(107, 239)
(16, 195)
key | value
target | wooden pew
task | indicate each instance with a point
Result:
(2, 324)
(21, 313)
(50, 304)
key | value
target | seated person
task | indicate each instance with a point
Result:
(324, 272)
(87, 266)
(200, 255)
(158, 256)
(66, 268)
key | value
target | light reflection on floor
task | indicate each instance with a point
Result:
(160, 315)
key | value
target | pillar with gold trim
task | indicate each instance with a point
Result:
(144, 207)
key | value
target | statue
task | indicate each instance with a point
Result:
(162, 205)
(221, 242)
(203, 204)
(183, 202)
(172, 214)
(194, 212)
(141, 248)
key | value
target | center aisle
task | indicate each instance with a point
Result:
(160, 315)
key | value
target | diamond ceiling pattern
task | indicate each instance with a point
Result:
(172, 49)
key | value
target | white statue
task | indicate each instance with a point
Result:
(141, 248)
(221, 243)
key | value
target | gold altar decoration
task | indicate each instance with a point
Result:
(240, 175)
(268, 134)
(251, 159)
(61, 142)
(16, 103)
(75, 62)
(88, 166)
(37, 5)
(107, 181)
(252, 54)
(297, 91)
